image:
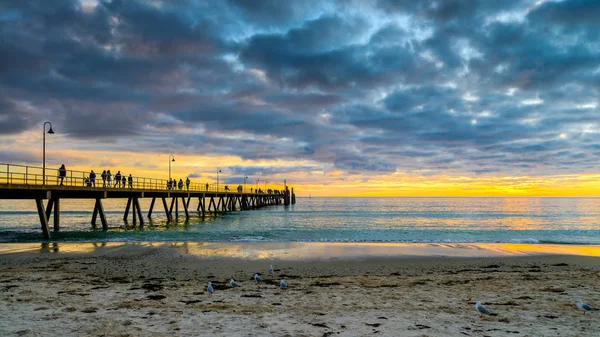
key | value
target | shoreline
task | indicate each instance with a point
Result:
(303, 250)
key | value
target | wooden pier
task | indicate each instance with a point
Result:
(16, 184)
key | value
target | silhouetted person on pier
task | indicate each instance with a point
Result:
(169, 184)
(62, 173)
(118, 179)
(124, 181)
(103, 175)
(187, 183)
(109, 178)
(180, 185)
(226, 188)
(250, 189)
(92, 178)
(207, 186)
(130, 180)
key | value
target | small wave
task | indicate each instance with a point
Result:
(524, 241)
(256, 238)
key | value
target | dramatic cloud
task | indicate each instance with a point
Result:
(331, 87)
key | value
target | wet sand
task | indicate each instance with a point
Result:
(160, 289)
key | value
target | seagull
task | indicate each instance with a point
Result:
(282, 284)
(584, 307)
(210, 289)
(482, 310)
(234, 284)
(270, 269)
(257, 277)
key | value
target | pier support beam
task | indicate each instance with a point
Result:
(57, 215)
(185, 207)
(151, 207)
(136, 202)
(177, 207)
(201, 208)
(127, 210)
(99, 210)
(167, 213)
(43, 219)
(171, 208)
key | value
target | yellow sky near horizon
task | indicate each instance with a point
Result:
(321, 181)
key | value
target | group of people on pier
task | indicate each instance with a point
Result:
(121, 181)
(172, 184)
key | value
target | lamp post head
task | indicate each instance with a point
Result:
(173, 159)
(51, 131)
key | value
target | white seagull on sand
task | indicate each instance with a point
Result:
(584, 307)
(270, 269)
(481, 309)
(257, 277)
(210, 289)
(283, 284)
(234, 284)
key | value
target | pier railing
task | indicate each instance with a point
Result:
(31, 175)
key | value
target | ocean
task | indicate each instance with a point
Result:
(404, 220)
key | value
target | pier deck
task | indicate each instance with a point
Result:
(26, 182)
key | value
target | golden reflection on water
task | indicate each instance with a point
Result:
(301, 250)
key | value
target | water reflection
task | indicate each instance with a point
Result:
(300, 250)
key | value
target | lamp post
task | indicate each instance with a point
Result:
(171, 158)
(218, 171)
(245, 178)
(44, 150)
(256, 189)
(266, 182)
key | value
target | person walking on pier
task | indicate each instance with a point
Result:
(187, 183)
(109, 178)
(207, 186)
(130, 180)
(93, 178)
(103, 175)
(180, 185)
(124, 181)
(118, 179)
(62, 173)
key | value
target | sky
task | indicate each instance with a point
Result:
(347, 97)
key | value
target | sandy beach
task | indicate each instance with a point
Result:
(160, 290)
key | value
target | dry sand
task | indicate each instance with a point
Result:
(153, 290)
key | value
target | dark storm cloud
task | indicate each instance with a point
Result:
(448, 86)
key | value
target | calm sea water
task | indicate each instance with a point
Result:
(443, 220)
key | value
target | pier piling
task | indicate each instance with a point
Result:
(43, 219)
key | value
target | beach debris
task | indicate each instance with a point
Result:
(481, 309)
(252, 295)
(283, 284)
(210, 288)
(234, 284)
(156, 297)
(270, 269)
(584, 307)
(257, 277)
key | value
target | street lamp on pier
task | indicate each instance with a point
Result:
(245, 178)
(266, 182)
(171, 158)
(256, 189)
(218, 171)
(44, 150)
